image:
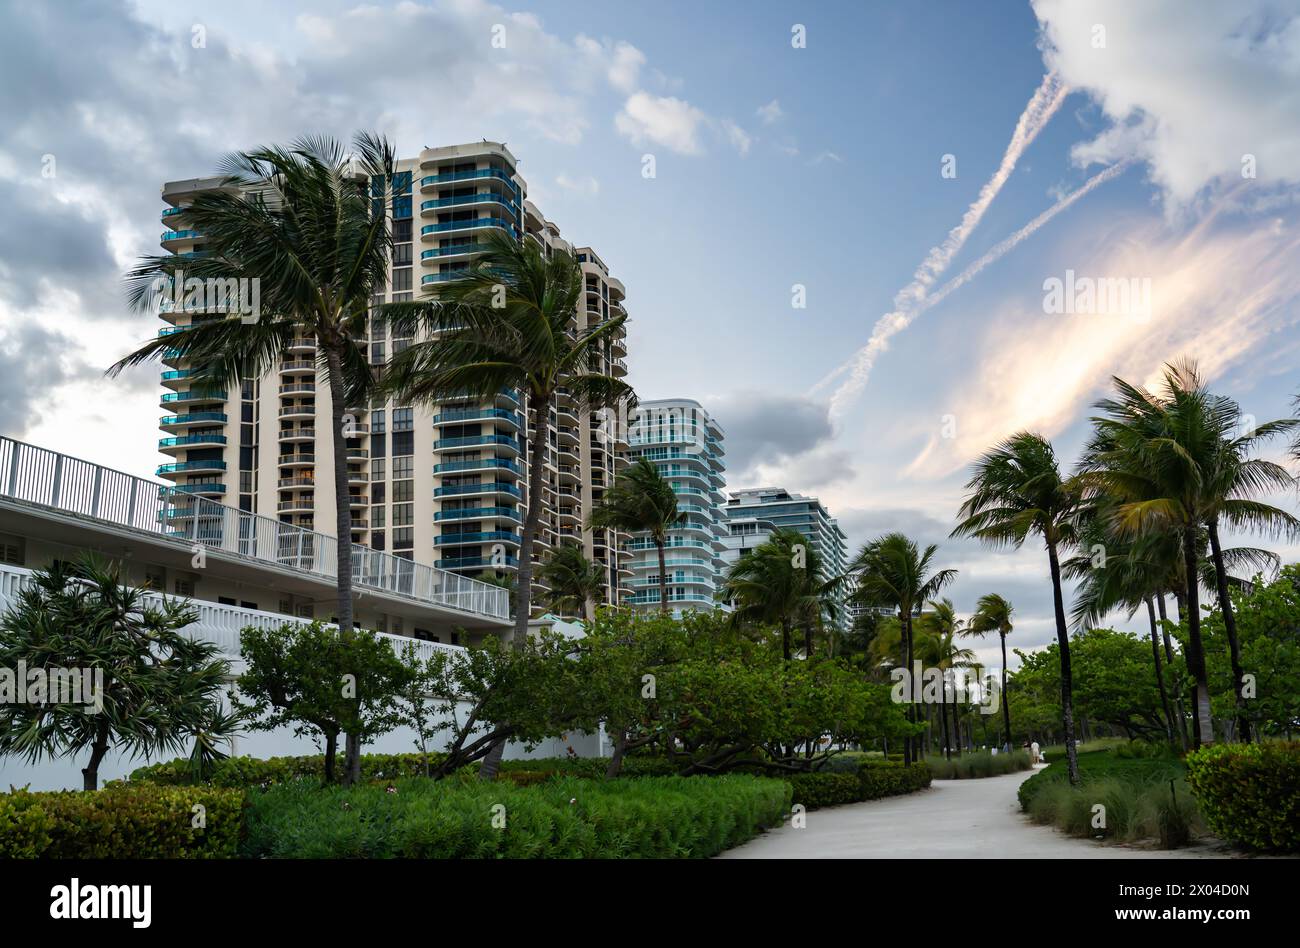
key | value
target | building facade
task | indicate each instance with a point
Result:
(755, 514)
(442, 485)
(686, 445)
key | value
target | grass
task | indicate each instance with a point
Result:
(1125, 796)
(979, 764)
(1057, 751)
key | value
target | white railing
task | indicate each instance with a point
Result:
(217, 623)
(39, 476)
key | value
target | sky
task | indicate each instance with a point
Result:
(845, 251)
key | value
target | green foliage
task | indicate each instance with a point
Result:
(856, 779)
(648, 817)
(248, 772)
(156, 688)
(824, 788)
(1250, 793)
(978, 764)
(574, 581)
(122, 821)
(321, 681)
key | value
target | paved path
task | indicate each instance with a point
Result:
(960, 819)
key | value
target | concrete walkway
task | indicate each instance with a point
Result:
(960, 819)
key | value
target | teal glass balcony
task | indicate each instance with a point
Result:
(479, 175)
(496, 463)
(488, 536)
(472, 247)
(167, 421)
(181, 467)
(175, 374)
(475, 562)
(192, 439)
(195, 397)
(213, 488)
(171, 331)
(478, 513)
(170, 235)
(173, 211)
(453, 417)
(477, 223)
(492, 487)
(443, 444)
(483, 197)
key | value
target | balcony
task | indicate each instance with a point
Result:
(195, 440)
(475, 441)
(478, 223)
(301, 344)
(174, 397)
(295, 483)
(207, 490)
(358, 454)
(463, 200)
(484, 414)
(296, 434)
(297, 388)
(489, 536)
(479, 513)
(477, 563)
(194, 418)
(456, 250)
(298, 367)
(297, 460)
(436, 180)
(175, 378)
(482, 464)
(492, 487)
(298, 411)
(175, 238)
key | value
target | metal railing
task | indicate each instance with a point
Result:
(39, 476)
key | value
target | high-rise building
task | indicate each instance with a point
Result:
(755, 514)
(443, 485)
(686, 445)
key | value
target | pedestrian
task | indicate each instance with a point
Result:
(1034, 756)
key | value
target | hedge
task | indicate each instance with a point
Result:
(565, 817)
(247, 772)
(122, 822)
(1249, 793)
(872, 779)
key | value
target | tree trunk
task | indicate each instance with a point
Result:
(1169, 661)
(616, 761)
(663, 577)
(1067, 684)
(331, 749)
(539, 410)
(943, 712)
(909, 744)
(785, 638)
(1160, 677)
(342, 526)
(1230, 627)
(1006, 701)
(1202, 726)
(956, 723)
(98, 750)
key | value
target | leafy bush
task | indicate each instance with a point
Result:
(593, 767)
(1250, 793)
(816, 790)
(122, 822)
(564, 817)
(889, 778)
(246, 772)
(970, 766)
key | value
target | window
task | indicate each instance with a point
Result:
(402, 255)
(377, 422)
(403, 419)
(184, 587)
(402, 278)
(403, 514)
(403, 491)
(376, 518)
(401, 207)
(403, 468)
(377, 466)
(403, 443)
(403, 539)
(401, 231)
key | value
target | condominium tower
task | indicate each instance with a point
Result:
(686, 445)
(443, 485)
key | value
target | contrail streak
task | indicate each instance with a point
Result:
(896, 322)
(1047, 98)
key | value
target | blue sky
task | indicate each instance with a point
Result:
(775, 166)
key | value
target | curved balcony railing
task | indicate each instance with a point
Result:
(479, 513)
(453, 251)
(180, 467)
(482, 197)
(487, 536)
(472, 441)
(195, 397)
(492, 487)
(475, 224)
(191, 439)
(193, 418)
(497, 463)
(433, 179)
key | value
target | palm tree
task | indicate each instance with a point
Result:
(941, 630)
(892, 571)
(641, 501)
(1016, 490)
(298, 222)
(1172, 462)
(781, 582)
(993, 614)
(576, 583)
(510, 323)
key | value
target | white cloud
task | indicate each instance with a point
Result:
(661, 120)
(739, 138)
(770, 113)
(582, 184)
(1190, 86)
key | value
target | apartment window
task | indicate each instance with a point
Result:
(402, 256)
(401, 207)
(377, 493)
(184, 587)
(377, 352)
(376, 517)
(403, 514)
(245, 482)
(404, 443)
(246, 389)
(403, 539)
(403, 491)
(246, 413)
(377, 541)
(402, 231)
(403, 468)
(377, 422)
(11, 552)
(377, 466)
(402, 278)
(402, 182)
(403, 419)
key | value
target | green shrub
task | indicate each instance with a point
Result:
(816, 790)
(593, 767)
(880, 778)
(24, 826)
(563, 817)
(122, 822)
(1249, 793)
(981, 764)
(246, 772)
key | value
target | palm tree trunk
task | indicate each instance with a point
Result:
(908, 743)
(943, 712)
(1169, 661)
(1202, 726)
(1006, 702)
(1067, 683)
(1230, 627)
(956, 723)
(538, 410)
(785, 638)
(663, 577)
(343, 531)
(1160, 677)
(98, 750)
